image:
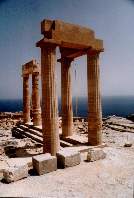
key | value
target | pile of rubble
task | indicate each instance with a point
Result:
(19, 156)
(46, 163)
(8, 120)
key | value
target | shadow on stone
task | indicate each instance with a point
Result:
(32, 172)
(10, 151)
(4, 181)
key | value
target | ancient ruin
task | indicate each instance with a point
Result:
(31, 68)
(73, 41)
(31, 146)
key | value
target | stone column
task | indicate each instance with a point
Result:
(49, 100)
(36, 99)
(94, 100)
(26, 99)
(66, 97)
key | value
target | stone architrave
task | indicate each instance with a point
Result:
(94, 100)
(49, 100)
(36, 110)
(66, 97)
(26, 99)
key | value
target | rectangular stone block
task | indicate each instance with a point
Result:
(15, 173)
(30, 67)
(66, 158)
(61, 31)
(95, 154)
(44, 163)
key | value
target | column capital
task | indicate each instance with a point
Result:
(66, 60)
(93, 53)
(46, 43)
(65, 52)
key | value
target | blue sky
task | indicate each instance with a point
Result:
(112, 21)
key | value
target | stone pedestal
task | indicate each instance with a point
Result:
(66, 97)
(66, 158)
(44, 163)
(94, 100)
(26, 99)
(95, 154)
(49, 101)
(15, 173)
(36, 100)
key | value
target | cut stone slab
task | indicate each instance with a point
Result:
(14, 162)
(68, 158)
(95, 154)
(20, 161)
(15, 173)
(44, 163)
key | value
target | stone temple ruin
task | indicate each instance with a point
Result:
(31, 68)
(73, 41)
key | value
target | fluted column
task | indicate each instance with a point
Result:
(26, 99)
(36, 109)
(49, 100)
(66, 97)
(94, 100)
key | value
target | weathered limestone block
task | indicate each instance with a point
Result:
(70, 35)
(15, 173)
(66, 158)
(95, 154)
(44, 163)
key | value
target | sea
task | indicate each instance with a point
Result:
(111, 105)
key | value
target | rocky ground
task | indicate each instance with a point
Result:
(107, 178)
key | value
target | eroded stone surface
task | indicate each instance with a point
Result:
(95, 154)
(70, 35)
(67, 158)
(15, 173)
(44, 163)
